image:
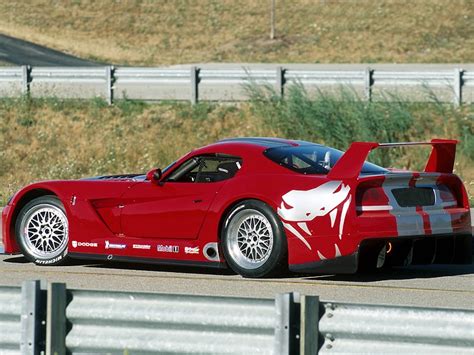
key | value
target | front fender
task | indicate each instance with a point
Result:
(13, 208)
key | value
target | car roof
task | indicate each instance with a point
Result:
(245, 146)
(266, 142)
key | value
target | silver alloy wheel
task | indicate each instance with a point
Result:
(249, 238)
(44, 230)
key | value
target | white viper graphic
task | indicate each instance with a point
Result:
(306, 205)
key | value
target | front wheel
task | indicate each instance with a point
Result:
(41, 231)
(253, 240)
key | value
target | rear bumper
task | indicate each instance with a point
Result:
(401, 251)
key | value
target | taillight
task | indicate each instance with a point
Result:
(371, 198)
(447, 197)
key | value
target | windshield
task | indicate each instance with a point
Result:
(169, 166)
(313, 159)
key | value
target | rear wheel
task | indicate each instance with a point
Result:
(41, 231)
(253, 240)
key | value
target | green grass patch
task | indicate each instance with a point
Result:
(339, 119)
(42, 139)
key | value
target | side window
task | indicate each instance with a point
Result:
(206, 168)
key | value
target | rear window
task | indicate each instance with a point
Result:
(313, 159)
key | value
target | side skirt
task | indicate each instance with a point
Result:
(342, 265)
(128, 259)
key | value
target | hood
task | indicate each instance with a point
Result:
(121, 177)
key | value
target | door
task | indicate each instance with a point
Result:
(177, 206)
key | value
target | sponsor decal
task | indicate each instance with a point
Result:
(109, 245)
(167, 248)
(50, 261)
(141, 246)
(301, 206)
(76, 244)
(189, 250)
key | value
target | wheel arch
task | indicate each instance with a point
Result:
(224, 214)
(229, 208)
(22, 201)
(282, 261)
(234, 203)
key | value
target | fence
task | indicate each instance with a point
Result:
(21, 317)
(10, 313)
(60, 320)
(228, 84)
(111, 322)
(350, 328)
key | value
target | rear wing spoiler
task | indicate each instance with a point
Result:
(349, 165)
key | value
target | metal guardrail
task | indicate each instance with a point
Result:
(169, 324)
(103, 322)
(228, 84)
(151, 84)
(13, 81)
(10, 320)
(351, 328)
(62, 82)
(20, 319)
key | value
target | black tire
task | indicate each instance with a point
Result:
(41, 231)
(258, 252)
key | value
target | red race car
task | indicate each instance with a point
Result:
(257, 205)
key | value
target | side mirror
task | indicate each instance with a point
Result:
(154, 175)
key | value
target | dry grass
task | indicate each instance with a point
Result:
(55, 139)
(302, 115)
(42, 140)
(159, 32)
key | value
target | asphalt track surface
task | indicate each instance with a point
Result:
(19, 52)
(446, 286)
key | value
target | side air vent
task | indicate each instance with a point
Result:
(119, 177)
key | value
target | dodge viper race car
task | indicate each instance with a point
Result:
(256, 205)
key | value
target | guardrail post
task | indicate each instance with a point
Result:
(109, 76)
(25, 76)
(369, 81)
(287, 327)
(458, 83)
(194, 85)
(280, 81)
(309, 325)
(56, 319)
(32, 318)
